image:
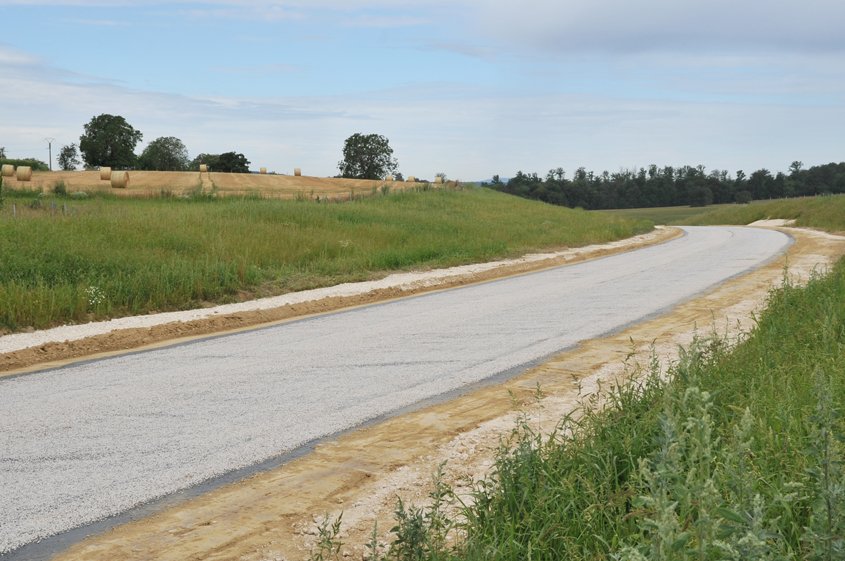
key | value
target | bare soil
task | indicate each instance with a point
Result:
(272, 514)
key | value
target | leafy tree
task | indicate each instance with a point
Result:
(232, 162)
(69, 157)
(109, 140)
(36, 165)
(210, 160)
(166, 153)
(2, 152)
(398, 176)
(367, 156)
(743, 197)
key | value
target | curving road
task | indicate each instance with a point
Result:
(91, 440)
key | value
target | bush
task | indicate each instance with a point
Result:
(36, 165)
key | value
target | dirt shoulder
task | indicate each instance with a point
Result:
(56, 347)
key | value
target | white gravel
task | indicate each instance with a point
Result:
(90, 440)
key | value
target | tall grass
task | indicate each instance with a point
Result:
(105, 257)
(825, 211)
(736, 455)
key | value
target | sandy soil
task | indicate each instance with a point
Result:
(272, 515)
(153, 183)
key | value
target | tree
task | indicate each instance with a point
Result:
(2, 152)
(110, 141)
(367, 156)
(210, 160)
(232, 162)
(166, 153)
(69, 157)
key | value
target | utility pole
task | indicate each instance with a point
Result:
(50, 151)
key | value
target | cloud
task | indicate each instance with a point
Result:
(385, 21)
(622, 26)
(13, 57)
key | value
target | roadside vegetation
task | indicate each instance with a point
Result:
(826, 212)
(70, 259)
(735, 454)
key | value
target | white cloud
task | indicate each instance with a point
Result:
(622, 26)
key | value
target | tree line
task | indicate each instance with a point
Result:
(110, 141)
(672, 186)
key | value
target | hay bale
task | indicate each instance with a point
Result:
(411, 179)
(203, 168)
(8, 170)
(24, 173)
(262, 171)
(105, 174)
(438, 179)
(389, 178)
(297, 172)
(119, 179)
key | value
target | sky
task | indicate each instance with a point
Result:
(470, 88)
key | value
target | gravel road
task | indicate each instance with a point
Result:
(87, 441)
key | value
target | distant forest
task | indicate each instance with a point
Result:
(669, 186)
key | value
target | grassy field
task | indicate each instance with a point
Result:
(70, 260)
(826, 212)
(663, 215)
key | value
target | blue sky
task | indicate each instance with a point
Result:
(471, 88)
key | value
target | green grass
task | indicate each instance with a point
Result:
(737, 455)
(72, 260)
(662, 215)
(825, 211)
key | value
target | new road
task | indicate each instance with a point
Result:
(91, 440)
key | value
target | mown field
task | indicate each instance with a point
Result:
(737, 453)
(73, 260)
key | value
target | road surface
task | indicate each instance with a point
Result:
(91, 440)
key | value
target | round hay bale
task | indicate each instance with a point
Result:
(262, 171)
(297, 172)
(119, 179)
(438, 179)
(411, 179)
(203, 168)
(389, 178)
(105, 173)
(24, 173)
(8, 170)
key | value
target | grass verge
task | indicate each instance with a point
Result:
(825, 211)
(737, 454)
(72, 260)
